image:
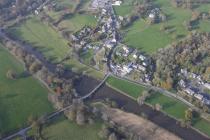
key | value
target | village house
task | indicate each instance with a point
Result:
(182, 83)
(142, 57)
(189, 91)
(206, 101)
(109, 44)
(207, 85)
(198, 96)
(141, 68)
(117, 3)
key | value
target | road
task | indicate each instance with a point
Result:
(23, 131)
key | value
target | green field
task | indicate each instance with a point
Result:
(203, 8)
(126, 7)
(83, 69)
(123, 10)
(149, 38)
(177, 109)
(169, 105)
(19, 98)
(44, 38)
(204, 26)
(203, 126)
(72, 6)
(77, 22)
(65, 4)
(126, 87)
(64, 130)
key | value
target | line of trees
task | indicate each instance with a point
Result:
(62, 87)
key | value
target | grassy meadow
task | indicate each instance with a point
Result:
(64, 129)
(78, 21)
(42, 37)
(202, 125)
(149, 38)
(19, 98)
(131, 89)
(170, 106)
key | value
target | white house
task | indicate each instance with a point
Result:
(206, 101)
(144, 64)
(141, 57)
(152, 15)
(198, 96)
(189, 91)
(36, 12)
(114, 40)
(142, 68)
(125, 49)
(121, 18)
(104, 11)
(134, 56)
(182, 83)
(207, 85)
(117, 3)
(109, 45)
(184, 72)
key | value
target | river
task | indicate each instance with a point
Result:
(85, 84)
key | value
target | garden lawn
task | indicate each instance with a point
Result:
(123, 10)
(19, 98)
(126, 87)
(204, 26)
(78, 21)
(203, 8)
(43, 37)
(65, 130)
(87, 56)
(170, 106)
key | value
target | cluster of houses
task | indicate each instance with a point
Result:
(82, 41)
(107, 26)
(194, 92)
(99, 4)
(80, 35)
(196, 78)
(135, 61)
